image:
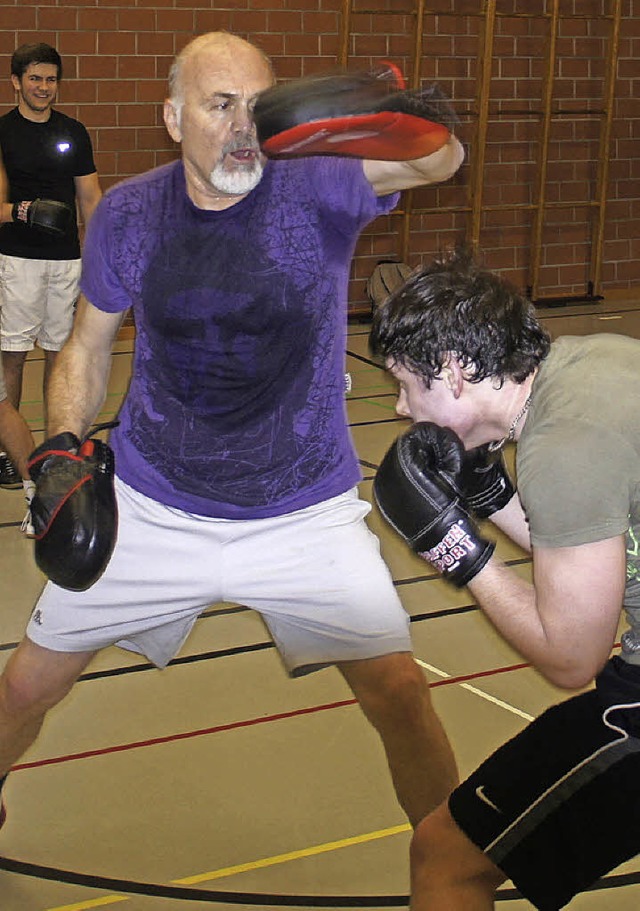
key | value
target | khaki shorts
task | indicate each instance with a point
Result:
(315, 576)
(38, 301)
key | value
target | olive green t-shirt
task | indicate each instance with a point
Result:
(578, 458)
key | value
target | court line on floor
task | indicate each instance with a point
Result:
(235, 725)
(446, 680)
(477, 692)
(261, 863)
(607, 883)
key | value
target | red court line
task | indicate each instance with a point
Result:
(234, 725)
(464, 677)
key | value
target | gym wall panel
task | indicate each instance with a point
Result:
(117, 56)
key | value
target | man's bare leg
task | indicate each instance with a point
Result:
(34, 680)
(448, 872)
(15, 437)
(50, 358)
(394, 695)
(13, 366)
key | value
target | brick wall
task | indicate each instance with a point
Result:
(117, 56)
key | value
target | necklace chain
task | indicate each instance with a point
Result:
(498, 444)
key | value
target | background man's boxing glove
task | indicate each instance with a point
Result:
(365, 115)
(73, 511)
(485, 482)
(416, 491)
(46, 214)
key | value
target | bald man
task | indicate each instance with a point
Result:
(236, 475)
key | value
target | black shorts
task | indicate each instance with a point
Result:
(559, 805)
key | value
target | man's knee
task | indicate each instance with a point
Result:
(391, 689)
(35, 679)
(443, 857)
(14, 359)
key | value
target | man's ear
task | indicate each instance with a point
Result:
(452, 375)
(15, 82)
(172, 120)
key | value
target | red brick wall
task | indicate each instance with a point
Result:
(117, 55)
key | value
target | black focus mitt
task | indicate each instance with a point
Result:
(363, 115)
(48, 215)
(73, 511)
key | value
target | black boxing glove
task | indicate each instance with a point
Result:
(485, 482)
(365, 115)
(73, 510)
(416, 491)
(48, 215)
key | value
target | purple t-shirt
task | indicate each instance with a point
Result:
(236, 403)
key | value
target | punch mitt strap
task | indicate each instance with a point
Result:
(362, 115)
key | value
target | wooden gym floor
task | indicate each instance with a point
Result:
(219, 782)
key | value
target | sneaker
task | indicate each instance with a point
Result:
(9, 477)
(27, 524)
(27, 530)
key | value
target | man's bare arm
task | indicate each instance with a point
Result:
(512, 521)
(391, 176)
(566, 621)
(78, 383)
(88, 194)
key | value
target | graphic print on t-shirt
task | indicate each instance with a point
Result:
(228, 339)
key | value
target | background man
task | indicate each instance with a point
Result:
(559, 805)
(17, 439)
(45, 156)
(236, 474)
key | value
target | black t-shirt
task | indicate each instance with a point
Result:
(41, 160)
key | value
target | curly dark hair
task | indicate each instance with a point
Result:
(27, 54)
(454, 305)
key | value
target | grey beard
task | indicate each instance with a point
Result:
(236, 183)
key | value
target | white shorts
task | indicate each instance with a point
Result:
(38, 300)
(315, 576)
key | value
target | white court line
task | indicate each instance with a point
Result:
(477, 692)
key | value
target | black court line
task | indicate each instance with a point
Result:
(184, 893)
(394, 420)
(247, 649)
(235, 650)
(372, 395)
(244, 649)
(240, 608)
(365, 360)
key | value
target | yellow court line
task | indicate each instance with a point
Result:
(251, 865)
(93, 903)
(477, 692)
(293, 855)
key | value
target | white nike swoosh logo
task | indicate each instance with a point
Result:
(483, 797)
